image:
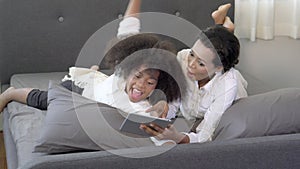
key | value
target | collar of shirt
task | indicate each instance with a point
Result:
(207, 87)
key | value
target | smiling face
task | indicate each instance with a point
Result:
(200, 63)
(141, 84)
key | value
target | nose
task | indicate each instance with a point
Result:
(140, 83)
(191, 62)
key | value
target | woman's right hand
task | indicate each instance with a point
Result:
(168, 133)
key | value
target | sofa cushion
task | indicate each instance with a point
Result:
(62, 131)
(272, 113)
(75, 123)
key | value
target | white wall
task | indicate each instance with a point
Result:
(268, 65)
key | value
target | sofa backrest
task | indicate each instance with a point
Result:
(47, 36)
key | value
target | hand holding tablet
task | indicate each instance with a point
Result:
(133, 121)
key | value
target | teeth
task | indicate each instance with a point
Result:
(136, 91)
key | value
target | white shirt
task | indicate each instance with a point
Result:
(211, 100)
(112, 92)
(105, 89)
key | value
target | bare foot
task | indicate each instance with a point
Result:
(4, 98)
(220, 14)
(95, 67)
(228, 24)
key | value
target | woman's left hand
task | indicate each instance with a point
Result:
(168, 133)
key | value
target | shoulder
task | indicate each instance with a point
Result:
(228, 80)
(232, 74)
(237, 76)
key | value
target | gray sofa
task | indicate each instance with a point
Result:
(47, 36)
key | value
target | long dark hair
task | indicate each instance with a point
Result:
(225, 44)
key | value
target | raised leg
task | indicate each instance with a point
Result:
(220, 14)
(228, 24)
(133, 8)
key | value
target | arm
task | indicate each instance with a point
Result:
(165, 134)
(130, 25)
(160, 109)
(133, 8)
(224, 98)
(173, 109)
(165, 110)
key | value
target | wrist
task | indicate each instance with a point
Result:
(184, 139)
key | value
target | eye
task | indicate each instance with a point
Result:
(192, 54)
(152, 82)
(201, 63)
(138, 75)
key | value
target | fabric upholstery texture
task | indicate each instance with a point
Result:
(61, 131)
(75, 123)
(272, 113)
(51, 32)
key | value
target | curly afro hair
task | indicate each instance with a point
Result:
(150, 51)
(120, 50)
(171, 82)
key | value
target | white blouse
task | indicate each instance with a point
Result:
(211, 100)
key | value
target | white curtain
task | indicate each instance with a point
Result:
(265, 19)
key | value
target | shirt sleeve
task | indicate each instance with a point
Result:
(173, 109)
(161, 142)
(224, 97)
(128, 26)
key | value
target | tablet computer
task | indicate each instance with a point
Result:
(132, 123)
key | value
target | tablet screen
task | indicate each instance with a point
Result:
(133, 121)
